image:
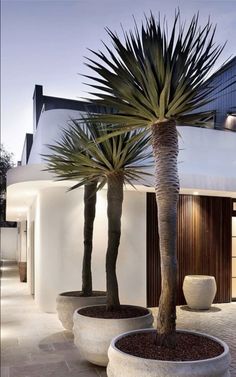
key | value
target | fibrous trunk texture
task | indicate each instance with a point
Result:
(165, 150)
(90, 197)
(114, 211)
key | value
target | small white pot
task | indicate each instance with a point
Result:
(125, 365)
(93, 336)
(67, 304)
(199, 291)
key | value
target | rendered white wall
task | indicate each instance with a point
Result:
(8, 238)
(23, 241)
(18, 242)
(48, 241)
(207, 151)
(72, 241)
(131, 263)
(49, 130)
(30, 247)
(206, 160)
(59, 246)
(131, 268)
(37, 253)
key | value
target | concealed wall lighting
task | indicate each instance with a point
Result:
(195, 192)
(230, 122)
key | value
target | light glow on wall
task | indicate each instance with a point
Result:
(230, 122)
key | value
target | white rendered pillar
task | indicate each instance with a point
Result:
(48, 246)
(23, 241)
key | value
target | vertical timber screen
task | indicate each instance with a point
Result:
(203, 244)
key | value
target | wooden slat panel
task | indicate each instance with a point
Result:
(203, 244)
(153, 259)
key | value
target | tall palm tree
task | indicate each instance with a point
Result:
(115, 161)
(157, 81)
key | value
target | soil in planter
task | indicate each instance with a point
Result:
(125, 311)
(189, 347)
(80, 294)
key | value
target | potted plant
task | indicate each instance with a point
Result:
(116, 161)
(59, 163)
(157, 80)
(119, 160)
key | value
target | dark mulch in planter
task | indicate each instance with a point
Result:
(125, 311)
(189, 347)
(79, 294)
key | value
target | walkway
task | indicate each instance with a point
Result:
(35, 345)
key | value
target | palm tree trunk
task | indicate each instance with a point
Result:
(114, 211)
(90, 197)
(165, 150)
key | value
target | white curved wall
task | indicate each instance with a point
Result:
(48, 239)
(49, 130)
(202, 151)
(59, 246)
(207, 158)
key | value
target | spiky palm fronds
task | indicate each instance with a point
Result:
(80, 156)
(155, 81)
(150, 78)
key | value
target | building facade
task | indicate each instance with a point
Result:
(53, 216)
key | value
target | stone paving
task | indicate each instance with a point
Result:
(34, 344)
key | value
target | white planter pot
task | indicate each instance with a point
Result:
(125, 365)
(67, 304)
(199, 291)
(93, 336)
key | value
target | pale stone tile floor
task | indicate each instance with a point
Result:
(34, 344)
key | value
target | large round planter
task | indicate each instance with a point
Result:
(93, 336)
(199, 291)
(68, 302)
(124, 365)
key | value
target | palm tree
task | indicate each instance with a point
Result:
(115, 161)
(156, 82)
(59, 163)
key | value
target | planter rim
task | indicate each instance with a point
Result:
(221, 342)
(113, 319)
(67, 294)
(200, 276)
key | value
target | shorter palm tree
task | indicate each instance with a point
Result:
(121, 159)
(59, 163)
